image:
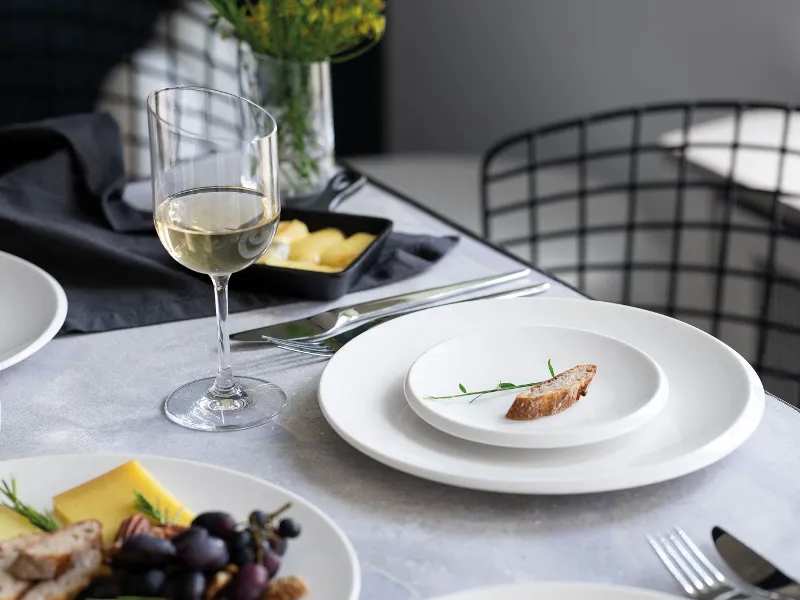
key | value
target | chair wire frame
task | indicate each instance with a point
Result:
(646, 206)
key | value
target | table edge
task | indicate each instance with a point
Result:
(457, 226)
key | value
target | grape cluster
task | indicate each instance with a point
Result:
(235, 562)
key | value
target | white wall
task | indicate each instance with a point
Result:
(463, 73)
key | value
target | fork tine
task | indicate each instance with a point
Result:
(671, 566)
(306, 345)
(699, 555)
(327, 353)
(699, 584)
(680, 543)
(291, 342)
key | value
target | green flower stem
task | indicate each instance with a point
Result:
(298, 129)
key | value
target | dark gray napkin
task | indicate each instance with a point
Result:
(61, 209)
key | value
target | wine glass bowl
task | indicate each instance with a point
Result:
(216, 209)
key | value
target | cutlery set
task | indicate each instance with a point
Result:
(323, 334)
(701, 580)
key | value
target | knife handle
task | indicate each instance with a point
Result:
(376, 309)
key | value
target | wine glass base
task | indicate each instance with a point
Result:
(251, 403)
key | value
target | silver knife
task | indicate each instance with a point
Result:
(753, 568)
(330, 345)
(344, 318)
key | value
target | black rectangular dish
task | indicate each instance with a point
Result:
(315, 285)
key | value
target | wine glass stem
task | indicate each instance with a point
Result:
(224, 381)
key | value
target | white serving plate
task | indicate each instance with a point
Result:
(33, 307)
(628, 390)
(558, 591)
(322, 555)
(716, 401)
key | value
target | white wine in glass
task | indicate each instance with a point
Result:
(216, 210)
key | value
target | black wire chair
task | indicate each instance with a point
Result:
(611, 206)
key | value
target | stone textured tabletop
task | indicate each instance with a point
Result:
(415, 539)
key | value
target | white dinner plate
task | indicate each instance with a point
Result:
(322, 555)
(628, 390)
(558, 591)
(33, 307)
(715, 402)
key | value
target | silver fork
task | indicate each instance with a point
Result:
(691, 569)
(328, 346)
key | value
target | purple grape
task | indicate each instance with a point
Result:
(145, 584)
(278, 545)
(192, 532)
(242, 556)
(259, 518)
(248, 583)
(201, 552)
(218, 524)
(107, 587)
(288, 528)
(146, 551)
(240, 539)
(186, 585)
(271, 561)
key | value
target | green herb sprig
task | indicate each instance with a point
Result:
(503, 386)
(154, 511)
(45, 521)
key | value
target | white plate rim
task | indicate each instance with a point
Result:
(56, 322)
(701, 458)
(533, 589)
(631, 422)
(352, 556)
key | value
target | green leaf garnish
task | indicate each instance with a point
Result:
(45, 521)
(154, 511)
(501, 387)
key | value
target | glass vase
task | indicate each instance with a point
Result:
(298, 95)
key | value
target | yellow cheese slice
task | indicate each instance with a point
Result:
(342, 254)
(312, 246)
(109, 498)
(13, 524)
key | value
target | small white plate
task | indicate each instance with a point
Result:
(628, 390)
(33, 307)
(322, 555)
(558, 591)
(715, 401)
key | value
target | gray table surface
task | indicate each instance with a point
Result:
(414, 538)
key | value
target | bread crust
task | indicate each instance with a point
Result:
(53, 554)
(528, 406)
(12, 588)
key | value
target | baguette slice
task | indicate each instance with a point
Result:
(74, 580)
(552, 396)
(50, 556)
(12, 588)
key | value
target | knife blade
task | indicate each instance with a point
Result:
(334, 343)
(344, 318)
(753, 568)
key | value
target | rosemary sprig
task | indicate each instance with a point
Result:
(45, 521)
(503, 386)
(154, 511)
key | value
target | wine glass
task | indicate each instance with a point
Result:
(216, 209)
